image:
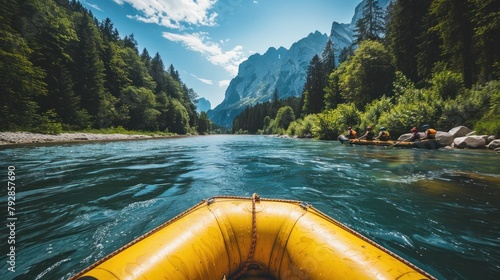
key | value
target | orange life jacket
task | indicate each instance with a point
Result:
(431, 133)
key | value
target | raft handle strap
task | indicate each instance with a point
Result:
(255, 197)
(305, 205)
(210, 200)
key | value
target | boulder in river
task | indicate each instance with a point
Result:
(459, 131)
(493, 145)
(445, 138)
(470, 142)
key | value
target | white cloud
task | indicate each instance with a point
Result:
(205, 81)
(224, 83)
(213, 52)
(173, 13)
(94, 6)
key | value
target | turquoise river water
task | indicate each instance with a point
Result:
(74, 204)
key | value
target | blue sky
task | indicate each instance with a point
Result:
(206, 40)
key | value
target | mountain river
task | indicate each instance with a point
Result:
(76, 203)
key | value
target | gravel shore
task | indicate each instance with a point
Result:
(13, 138)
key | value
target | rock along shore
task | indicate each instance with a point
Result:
(462, 137)
(19, 138)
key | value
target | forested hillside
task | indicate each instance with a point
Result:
(61, 68)
(420, 62)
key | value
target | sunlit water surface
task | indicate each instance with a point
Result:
(440, 209)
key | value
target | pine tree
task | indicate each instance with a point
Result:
(429, 51)
(157, 71)
(405, 27)
(52, 38)
(313, 88)
(88, 68)
(371, 25)
(486, 21)
(146, 58)
(130, 42)
(455, 29)
(346, 53)
(328, 57)
(20, 82)
(109, 32)
(174, 73)
(205, 125)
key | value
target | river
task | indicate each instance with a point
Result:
(76, 203)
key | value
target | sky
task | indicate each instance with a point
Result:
(206, 40)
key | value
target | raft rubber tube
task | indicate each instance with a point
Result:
(212, 240)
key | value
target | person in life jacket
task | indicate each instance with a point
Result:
(383, 134)
(351, 133)
(415, 136)
(430, 133)
(368, 134)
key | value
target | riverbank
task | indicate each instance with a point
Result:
(20, 138)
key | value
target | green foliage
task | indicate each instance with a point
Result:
(374, 110)
(313, 89)
(259, 117)
(476, 107)
(486, 19)
(48, 123)
(178, 116)
(402, 85)
(284, 117)
(328, 57)
(304, 128)
(140, 104)
(327, 125)
(332, 91)
(447, 84)
(405, 34)
(20, 81)
(456, 31)
(490, 122)
(368, 75)
(412, 107)
(331, 123)
(271, 128)
(205, 125)
(402, 118)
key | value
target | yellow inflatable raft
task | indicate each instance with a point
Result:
(252, 238)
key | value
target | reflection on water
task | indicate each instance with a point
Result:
(77, 203)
